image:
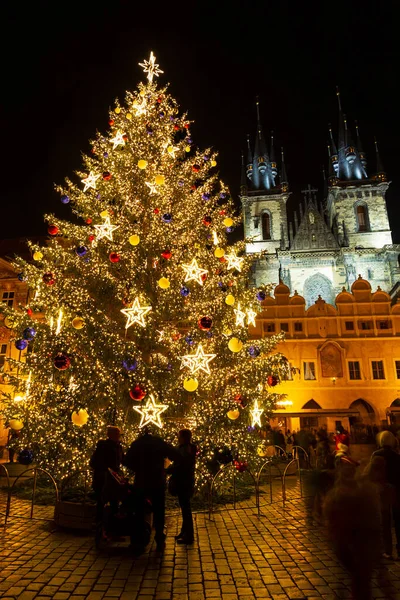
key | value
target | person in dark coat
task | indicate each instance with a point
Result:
(146, 458)
(182, 482)
(387, 443)
(107, 455)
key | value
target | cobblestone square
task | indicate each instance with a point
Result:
(236, 555)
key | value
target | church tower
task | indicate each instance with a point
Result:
(356, 204)
(264, 193)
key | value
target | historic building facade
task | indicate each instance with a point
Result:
(327, 245)
(346, 356)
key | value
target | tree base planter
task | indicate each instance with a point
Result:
(73, 515)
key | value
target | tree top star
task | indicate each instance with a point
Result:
(151, 67)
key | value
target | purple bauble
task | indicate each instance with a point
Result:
(98, 196)
(229, 229)
(21, 344)
(81, 250)
(167, 217)
(189, 340)
(130, 364)
(105, 154)
(29, 333)
(184, 291)
(22, 276)
(206, 196)
(181, 183)
(205, 157)
(222, 196)
(161, 114)
(261, 296)
(64, 199)
(254, 351)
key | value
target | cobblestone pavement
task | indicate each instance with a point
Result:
(236, 555)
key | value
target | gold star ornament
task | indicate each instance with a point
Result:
(136, 314)
(106, 229)
(193, 272)
(234, 262)
(198, 361)
(90, 181)
(118, 139)
(256, 413)
(151, 412)
(151, 67)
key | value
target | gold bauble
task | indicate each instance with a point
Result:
(78, 323)
(9, 322)
(228, 222)
(262, 450)
(142, 93)
(213, 163)
(104, 214)
(187, 149)
(230, 300)
(80, 418)
(235, 345)
(170, 149)
(128, 116)
(134, 240)
(37, 255)
(142, 164)
(164, 283)
(16, 424)
(219, 252)
(227, 331)
(117, 110)
(160, 179)
(233, 414)
(190, 385)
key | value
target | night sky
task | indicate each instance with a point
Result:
(63, 64)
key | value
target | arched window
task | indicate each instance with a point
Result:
(266, 226)
(362, 217)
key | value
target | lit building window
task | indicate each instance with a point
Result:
(309, 370)
(378, 371)
(397, 363)
(3, 352)
(8, 298)
(354, 369)
(266, 226)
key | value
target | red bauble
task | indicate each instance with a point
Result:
(159, 99)
(156, 211)
(187, 125)
(241, 400)
(204, 277)
(222, 212)
(176, 127)
(166, 254)
(193, 187)
(207, 220)
(53, 229)
(107, 176)
(222, 259)
(196, 168)
(137, 393)
(88, 221)
(240, 465)
(29, 312)
(111, 122)
(272, 380)
(114, 257)
(91, 237)
(62, 361)
(205, 323)
(125, 137)
(49, 279)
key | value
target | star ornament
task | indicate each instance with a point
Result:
(152, 188)
(136, 314)
(118, 139)
(256, 413)
(240, 316)
(106, 229)
(150, 412)
(234, 262)
(193, 272)
(90, 181)
(198, 361)
(151, 67)
(251, 317)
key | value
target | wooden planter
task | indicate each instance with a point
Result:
(73, 515)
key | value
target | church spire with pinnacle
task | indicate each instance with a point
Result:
(284, 177)
(380, 171)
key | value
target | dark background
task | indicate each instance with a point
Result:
(64, 63)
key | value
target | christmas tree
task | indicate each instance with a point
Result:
(140, 311)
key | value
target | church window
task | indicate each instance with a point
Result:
(378, 371)
(397, 365)
(266, 226)
(3, 352)
(349, 325)
(8, 298)
(354, 369)
(362, 217)
(309, 370)
(298, 326)
(285, 327)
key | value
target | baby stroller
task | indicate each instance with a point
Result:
(126, 513)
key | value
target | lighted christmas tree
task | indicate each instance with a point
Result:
(139, 310)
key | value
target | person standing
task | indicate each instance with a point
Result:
(182, 483)
(145, 458)
(107, 455)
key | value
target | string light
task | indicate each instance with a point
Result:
(234, 262)
(251, 317)
(240, 316)
(118, 139)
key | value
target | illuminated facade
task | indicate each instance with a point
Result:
(328, 244)
(347, 356)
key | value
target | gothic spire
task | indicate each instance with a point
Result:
(284, 178)
(380, 171)
(243, 181)
(249, 166)
(360, 148)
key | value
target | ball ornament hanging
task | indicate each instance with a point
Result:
(117, 110)
(230, 300)
(107, 175)
(134, 240)
(213, 163)
(184, 291)
(261, 296)
(166, 254)
(262, 450)
(254, 351)
(137, 393)
(235, 345)
(219, 252)
(164, 283)
(205, 323)
(233, 414)
(130, 364)
(114, 257)
(62, 361)
(272, 380)
(207, 220)
(52, 230)
(142, 164)
(187, 148)
(25, 457)
(190, 385)
(49, 279)
(78, 323)
(21, 344)
(81, 251)
(80, 417)
(196, 168)
(228, 222)
(37, 255)
(64, 199)
(240, 465)
(29, 333)
(167, 217)
(160, 180)
(16, 424)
